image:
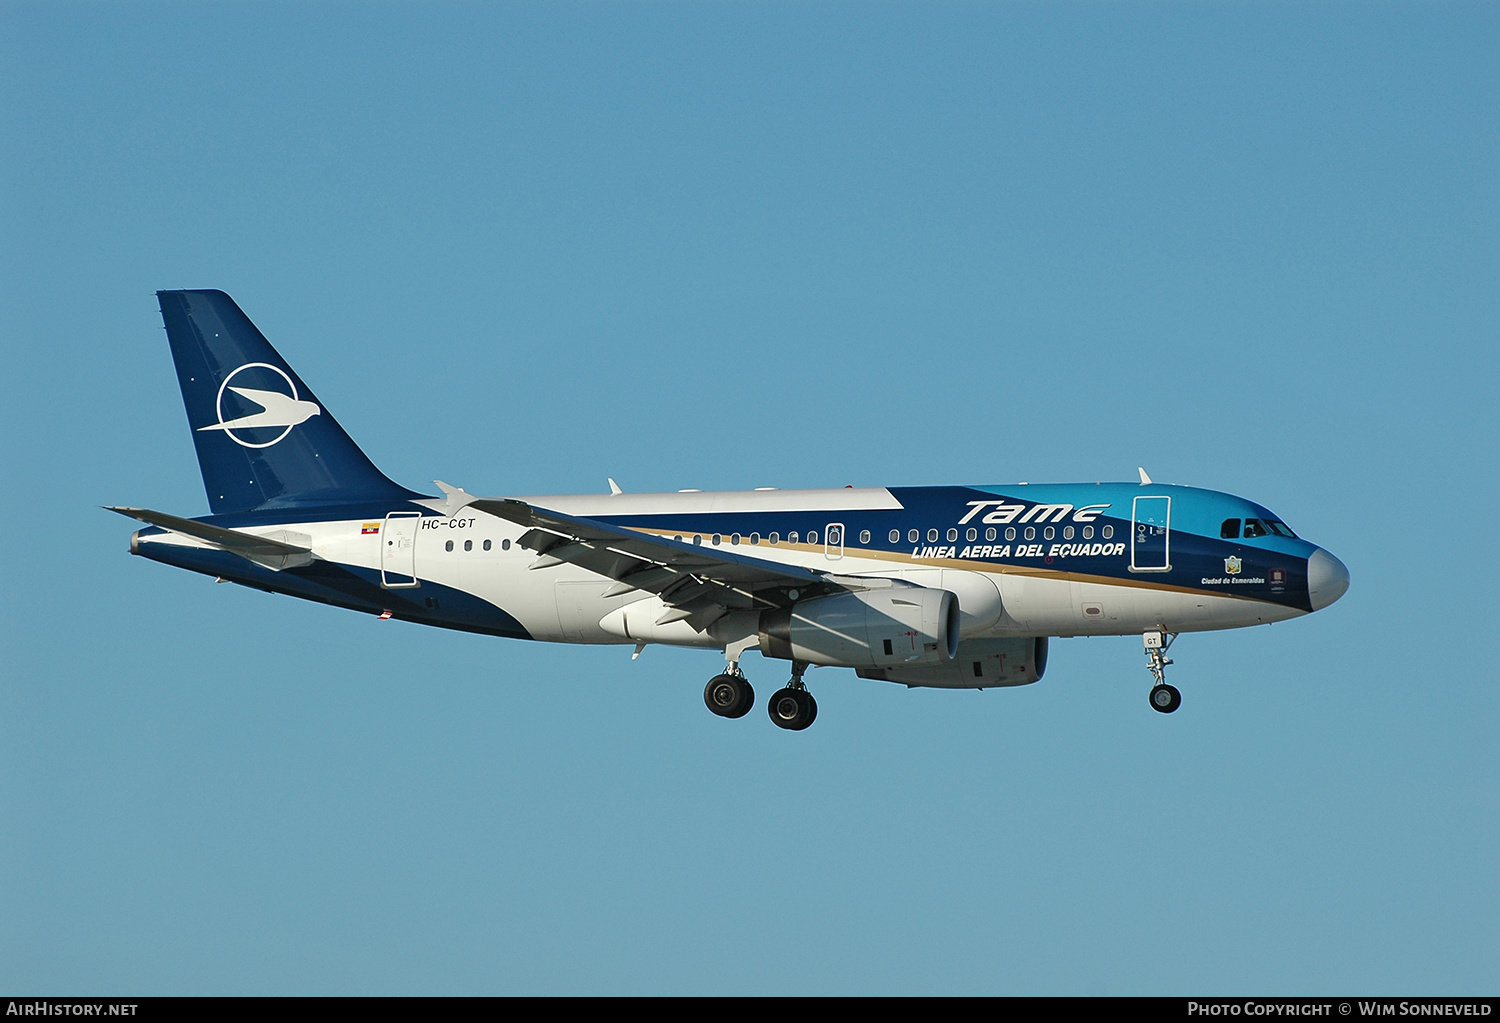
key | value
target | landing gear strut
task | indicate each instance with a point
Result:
(1164, 698)
(793, 708)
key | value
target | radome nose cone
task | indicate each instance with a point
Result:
(1327, 579)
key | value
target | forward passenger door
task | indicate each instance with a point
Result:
(1150, 534)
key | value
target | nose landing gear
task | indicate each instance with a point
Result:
(1164, 698)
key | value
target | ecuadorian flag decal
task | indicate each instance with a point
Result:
(370, 527)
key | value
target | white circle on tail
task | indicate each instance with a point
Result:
(277, 408)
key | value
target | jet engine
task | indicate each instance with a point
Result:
(897, 625)
(977, 664)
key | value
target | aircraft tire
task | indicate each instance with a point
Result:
(747, 700)
(1165, 698)
(729, 696)
(792, 709)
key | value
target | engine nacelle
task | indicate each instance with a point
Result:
(978, 596)
(897, 625)
(978, 664)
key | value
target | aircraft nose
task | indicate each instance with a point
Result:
(1327, 579)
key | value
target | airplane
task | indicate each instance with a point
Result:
(952, 587)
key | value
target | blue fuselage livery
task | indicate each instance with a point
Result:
(950, 587)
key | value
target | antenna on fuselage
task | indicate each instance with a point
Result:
(1145, 480)
(614, 488)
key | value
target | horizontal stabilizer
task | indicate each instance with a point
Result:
(271, 552)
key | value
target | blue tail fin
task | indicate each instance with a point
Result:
(263, 439)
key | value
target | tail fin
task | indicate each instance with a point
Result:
(263, 438)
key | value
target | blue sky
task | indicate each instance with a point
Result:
(521, 248)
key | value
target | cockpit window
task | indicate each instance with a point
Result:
(1230, 530)
(1261, 527)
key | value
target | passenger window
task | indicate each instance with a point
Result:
(486, 545)
(913, 536)
(754, 539)
(1010, 532)
(1230, 530)
(972, 534)
(792, 537)
(1107, 532)
(952, 535)
(775, 538)
(1254, 528)
(734, 538)
(448, 546)
(1030, 533)
(1067, 532)
(895, 536)
(1088, 532)
(812, 536)
(468, 545)
(864, 536)
(932, 535)
(1049, 533)
(505, 545)
(989, 534)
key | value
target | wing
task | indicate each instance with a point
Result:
(700, 585)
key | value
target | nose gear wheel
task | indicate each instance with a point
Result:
(1165, 698)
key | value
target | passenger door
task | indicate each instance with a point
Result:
(398, 550)
(1150, 534)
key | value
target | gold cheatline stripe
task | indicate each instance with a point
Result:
(968, 566)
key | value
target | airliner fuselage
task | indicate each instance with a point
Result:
(952, 587)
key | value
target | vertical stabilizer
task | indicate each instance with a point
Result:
(263, 438)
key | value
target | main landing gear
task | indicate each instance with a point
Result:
(793, 708)
(730, 696)
(1164, 698)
